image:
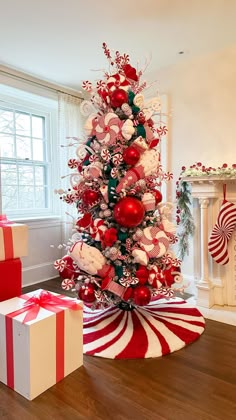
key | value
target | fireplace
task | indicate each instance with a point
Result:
(216, 285)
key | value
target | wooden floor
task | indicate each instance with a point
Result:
(197, 382)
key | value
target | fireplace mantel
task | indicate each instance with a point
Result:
(216, 284)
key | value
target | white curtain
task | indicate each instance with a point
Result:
(69, 125)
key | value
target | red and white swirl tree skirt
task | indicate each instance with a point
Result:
(149, 331)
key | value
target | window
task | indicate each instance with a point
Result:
(26, 150)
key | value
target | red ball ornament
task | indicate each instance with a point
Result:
(118, 97)
(69, 271)
(142, 295)
(158, 196)
(90, 197)
(131, 155)
(129, 212)
(86, 293)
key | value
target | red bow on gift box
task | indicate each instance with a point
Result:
(45, 300)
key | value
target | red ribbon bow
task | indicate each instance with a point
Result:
(4, 220)
(47, 301)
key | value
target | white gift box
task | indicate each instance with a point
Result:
(35, 354)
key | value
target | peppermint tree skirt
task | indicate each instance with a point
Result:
(151, 331)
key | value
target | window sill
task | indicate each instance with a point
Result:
(37, 219)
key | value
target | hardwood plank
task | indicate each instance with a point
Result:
(195, 383)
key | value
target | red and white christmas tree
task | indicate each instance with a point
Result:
(122, 253)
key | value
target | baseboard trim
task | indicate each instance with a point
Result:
(38, 273)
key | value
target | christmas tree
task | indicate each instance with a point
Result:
(121, 254)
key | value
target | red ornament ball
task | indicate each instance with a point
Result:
(90, 197)
(86, 293)
(129, 212)
(158, 196)
(142, 295)
(131, 155)
(118, 97)
(69, 271)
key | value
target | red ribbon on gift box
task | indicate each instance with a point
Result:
(5, 224)
(32, 306)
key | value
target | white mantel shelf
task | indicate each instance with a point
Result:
(216, 284)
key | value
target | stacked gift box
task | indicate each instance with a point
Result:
(41, 341)
(13, 245)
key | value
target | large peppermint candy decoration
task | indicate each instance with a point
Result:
(154, 242)
(221, 233)
(107, 128)
(97, 229)
(117, 81)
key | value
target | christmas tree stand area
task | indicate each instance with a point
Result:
(162, 327)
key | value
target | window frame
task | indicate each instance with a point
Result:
(47, 108)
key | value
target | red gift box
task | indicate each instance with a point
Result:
(10, 279)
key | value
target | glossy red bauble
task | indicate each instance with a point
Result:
(90, 197)
(142, 295)
(69, 271)
(129, 212)
(86, 293)
(158, 196)
(131, 155)
(118, 98)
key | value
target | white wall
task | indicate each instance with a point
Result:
(44, 238)
(202, 126)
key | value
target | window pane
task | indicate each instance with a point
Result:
(6, 121)
(22, 124)
(37, 127)
(39, 175)
(9, 197)
(38, 152)
(6, 146)
(23, 147)
(8, 174)
(40, 201)
(26, 175)
(26, 197)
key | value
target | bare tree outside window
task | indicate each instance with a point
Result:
(24, 180)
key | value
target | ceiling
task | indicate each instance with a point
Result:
(61, 40)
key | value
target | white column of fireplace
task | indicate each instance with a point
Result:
(216, 284)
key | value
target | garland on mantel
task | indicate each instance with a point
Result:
(184, 216)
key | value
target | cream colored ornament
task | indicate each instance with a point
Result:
(88, 258)
(127, 129)
(139, 100)
(140, 256)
